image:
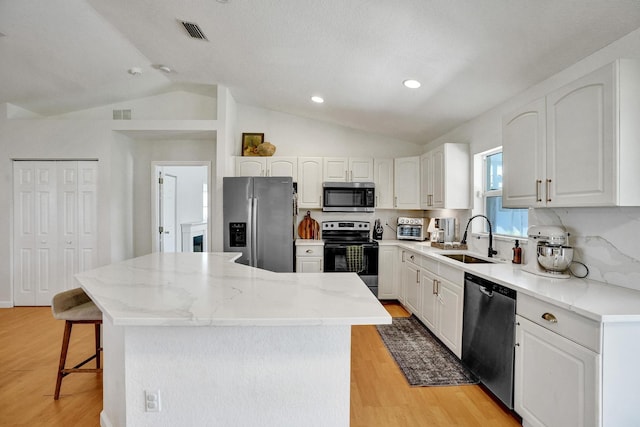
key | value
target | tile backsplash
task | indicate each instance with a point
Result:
(607, 240)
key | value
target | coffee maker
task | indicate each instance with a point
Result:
(442, 229)
(548, 251)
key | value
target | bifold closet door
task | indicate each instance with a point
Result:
(55, 230)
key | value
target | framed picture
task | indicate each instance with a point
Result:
(250, 142)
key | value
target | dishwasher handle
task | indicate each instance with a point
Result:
(484, 290)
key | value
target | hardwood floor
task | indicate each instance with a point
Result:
(30, 348)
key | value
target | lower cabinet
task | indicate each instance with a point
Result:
(411, 283)
(309, 257)
(442, 304)
(387, 272)
(557, 379)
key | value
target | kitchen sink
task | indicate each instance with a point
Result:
(467, 259)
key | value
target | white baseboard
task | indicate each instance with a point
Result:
(6, 304)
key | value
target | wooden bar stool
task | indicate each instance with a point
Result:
(74, 306)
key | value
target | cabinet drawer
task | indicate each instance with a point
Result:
(570, 325)
(413, 258)
(430, 264)
(309, 250)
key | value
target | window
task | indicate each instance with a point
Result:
(507, 222)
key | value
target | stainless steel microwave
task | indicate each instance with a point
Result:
(348, 196)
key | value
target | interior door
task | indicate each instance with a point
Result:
(168, 212)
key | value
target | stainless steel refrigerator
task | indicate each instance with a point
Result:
(258, 221)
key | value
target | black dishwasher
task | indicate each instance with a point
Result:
(488, 334)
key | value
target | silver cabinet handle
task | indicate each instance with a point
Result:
(395, 201)
(549, 318)
(430, 200)
(418, 276)
(538, 183)
(376, 201)
(548, 190)
(434, 288)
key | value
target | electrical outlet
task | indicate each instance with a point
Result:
(152, 400)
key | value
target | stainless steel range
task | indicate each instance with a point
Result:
(348, 247)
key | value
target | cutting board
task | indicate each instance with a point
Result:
(309, 228)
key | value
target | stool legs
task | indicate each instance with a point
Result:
(66, 338)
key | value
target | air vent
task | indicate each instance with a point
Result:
(194, 30)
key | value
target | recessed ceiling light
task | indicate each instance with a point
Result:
(317, 99)
(411, 84)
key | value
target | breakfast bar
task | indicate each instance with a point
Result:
(196, 339)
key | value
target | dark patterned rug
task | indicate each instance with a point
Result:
(421, 357)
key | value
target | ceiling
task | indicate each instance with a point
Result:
(65, 55)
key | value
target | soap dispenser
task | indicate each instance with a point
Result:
(517, 253)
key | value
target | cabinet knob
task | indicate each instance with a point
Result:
(309, 251)
(550, 318)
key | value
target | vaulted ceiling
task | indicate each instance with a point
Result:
(58, 56)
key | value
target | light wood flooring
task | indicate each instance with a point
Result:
(30, 349)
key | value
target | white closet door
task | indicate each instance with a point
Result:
(55, 232)
(87, 216)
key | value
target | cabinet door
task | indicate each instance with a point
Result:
(361, 169)
(581, 142)
(555, 380)
(450, 303)
(250, 166)
(426, 181)
(383, 178)
(411, 282)
(309, 182)
(429, 299)
(283, 166)
(438, 177)
(335, 169)
(308, 264)
(387, 276)
(523, 154)
(407, 183)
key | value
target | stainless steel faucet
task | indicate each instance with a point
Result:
(491, 252)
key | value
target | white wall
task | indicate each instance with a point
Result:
(298, 136)
(604, 238)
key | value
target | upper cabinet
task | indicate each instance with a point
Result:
(406, 183)
(445, 177)
(383, 179)
(309, 182)
(577, 146)
(267, 166)
(348, 169)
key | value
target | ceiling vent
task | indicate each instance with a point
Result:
(194, 30)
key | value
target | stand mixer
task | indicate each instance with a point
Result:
(548, 251)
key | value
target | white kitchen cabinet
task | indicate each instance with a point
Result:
(310, 182)
(444, 173)
(523, 155)
(383, 179)
(411, 283)
(587, 143)
(406, 182)
(442, 305)
(267, 166)
(309, 256)
(556, 379)
(557, 366)
(348, 169)
(387, 272)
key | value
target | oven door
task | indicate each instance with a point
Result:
(361, 258)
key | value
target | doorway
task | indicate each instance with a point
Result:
(180, 206)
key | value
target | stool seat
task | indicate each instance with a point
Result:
(75, 307)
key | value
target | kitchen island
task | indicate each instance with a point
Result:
(219, 343)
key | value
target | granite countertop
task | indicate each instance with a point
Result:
(599, 301)
(210, 289)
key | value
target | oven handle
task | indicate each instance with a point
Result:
(344, 245)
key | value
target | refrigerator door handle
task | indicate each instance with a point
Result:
(253, 258)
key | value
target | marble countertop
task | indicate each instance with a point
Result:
(210, 289)
(595, 300)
